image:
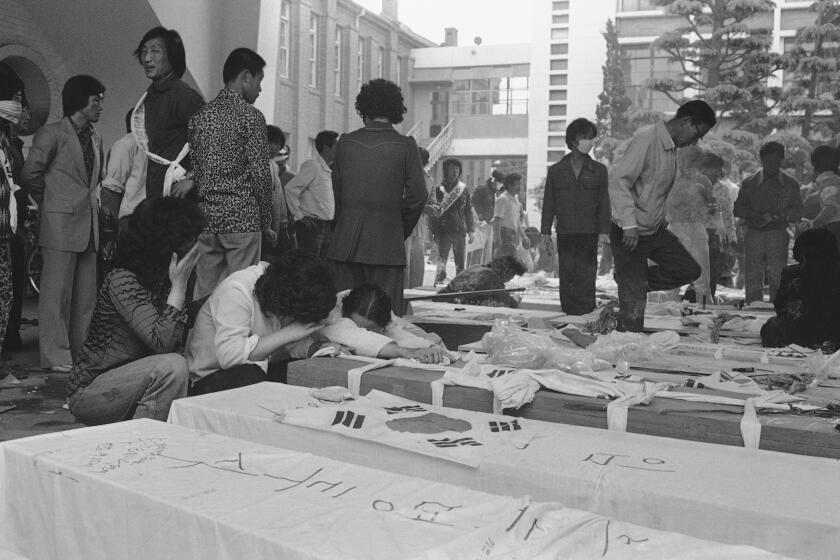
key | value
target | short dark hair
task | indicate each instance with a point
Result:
(381, 98)
(240, 60)
(77, 91)
(325, 139)
(512, 178)
(156, 229)
(579, 127)
(297, 285)
(509, 263)
(452, 162)
(424, 156)
(771, 147)
(698, 111)
(275, 135)
(498, 176)
(370, 301)
(10, 83)
(175, 53)
(825, 158)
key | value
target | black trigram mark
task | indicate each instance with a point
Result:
(349, 419)
(498, 373)
(406, 408)
(505, 426)
(446, 442)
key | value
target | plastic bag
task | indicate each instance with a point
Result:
(625, 346)
(523, 255)
(508, 344)
(824, 367)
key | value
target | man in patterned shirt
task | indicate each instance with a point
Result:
(229, 150)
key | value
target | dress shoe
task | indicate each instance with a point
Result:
(62, 368)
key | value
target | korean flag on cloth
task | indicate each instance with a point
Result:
(460, 436)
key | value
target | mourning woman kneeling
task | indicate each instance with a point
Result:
(130, 365)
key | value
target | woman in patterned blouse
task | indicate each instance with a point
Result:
(130, 365)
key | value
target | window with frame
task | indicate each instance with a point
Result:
(490, 96)
(314, 27)
(285, 37)
(641, 64)
(339, 58)
(636, 5)
(360, 62)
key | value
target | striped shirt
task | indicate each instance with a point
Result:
(125, 327)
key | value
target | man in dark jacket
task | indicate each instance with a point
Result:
(452, 219)
(379, 191)
(577, 200)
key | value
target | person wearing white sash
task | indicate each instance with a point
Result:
(452, 219)
(161, 116)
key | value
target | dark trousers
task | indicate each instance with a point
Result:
(458, 243)
(348, 275)
(766, 253)
(17, 249)
(313, 238)
(717, 260)
(577, 256)
(224, 379)
(674, 267)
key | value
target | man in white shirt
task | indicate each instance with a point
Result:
(124, 185)
(310, 196)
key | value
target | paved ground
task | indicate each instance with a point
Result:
(36, 396)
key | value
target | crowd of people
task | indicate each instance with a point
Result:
(188, 258)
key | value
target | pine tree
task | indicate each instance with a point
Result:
(724, 58)
(813, 64)
(613, 101)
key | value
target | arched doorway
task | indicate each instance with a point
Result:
(37, 86)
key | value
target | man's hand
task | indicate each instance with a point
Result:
(630, 238)
(307, 221)
(603, 239)
(270, 236)
(182, 188)
(470, 237)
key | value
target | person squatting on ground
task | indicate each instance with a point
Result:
(62, 174)
(229, 146)
(380, 193)
(130, 365)
(768, 202)
(452, 218)
(363, 322)
(486, 277)
(310, 196)
(808, 301)
(256, 312)
(639, 188)
(577, 201)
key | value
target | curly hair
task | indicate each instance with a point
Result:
(381, 98)
(156, 229)
(370, 301)
(297, 285)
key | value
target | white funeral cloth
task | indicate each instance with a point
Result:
(145, 489)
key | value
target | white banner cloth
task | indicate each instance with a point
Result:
(145, 489)
(713, 492)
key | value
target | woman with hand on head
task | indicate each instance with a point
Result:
(130, 365)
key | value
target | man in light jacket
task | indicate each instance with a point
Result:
(62, 173)
(639, 188)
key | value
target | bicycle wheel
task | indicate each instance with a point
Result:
(33, 269)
